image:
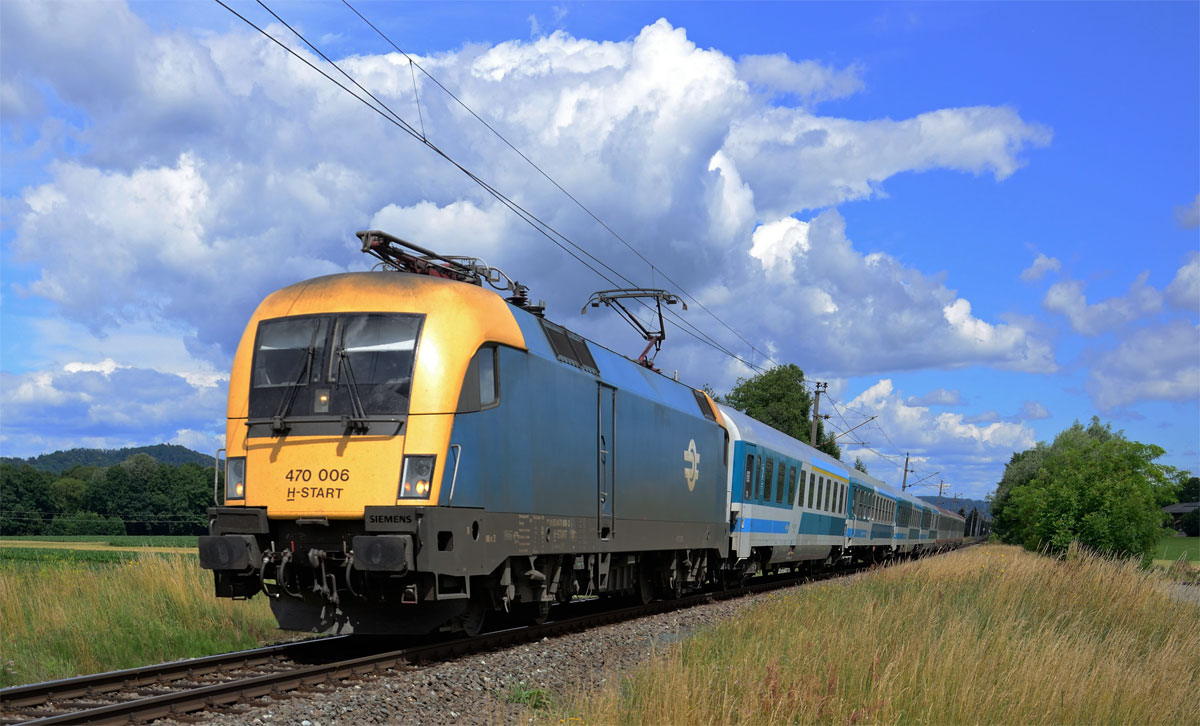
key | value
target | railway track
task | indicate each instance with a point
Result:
(173, 690)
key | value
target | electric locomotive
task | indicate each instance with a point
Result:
(407, 450)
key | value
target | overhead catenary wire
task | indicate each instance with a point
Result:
(538, 224)
(654, 268)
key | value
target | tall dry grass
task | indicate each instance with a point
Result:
(993, 634)
(63, 618)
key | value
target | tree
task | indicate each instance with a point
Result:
(68, 494)
(1190, 492)
(1190, 523)
(25, 501)
(858, 464)
(1092, 485)
(779, 399)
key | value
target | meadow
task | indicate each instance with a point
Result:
(1171, 549)
(992, 634)
(70, 612)
(122, 540)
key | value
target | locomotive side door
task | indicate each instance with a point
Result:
(605, 402)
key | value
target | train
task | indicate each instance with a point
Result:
(409, 450)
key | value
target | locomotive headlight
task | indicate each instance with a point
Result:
(321, 401)
(235, 478)
(416, 479)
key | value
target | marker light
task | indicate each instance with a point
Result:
(235, 478)
(321, 401)
(417, 477)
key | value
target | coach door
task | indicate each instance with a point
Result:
(605, 401)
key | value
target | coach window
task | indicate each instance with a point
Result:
(749, 477)
(791, 486)
(841, 499)
(829, 496)
(758, 477)
(767, 480)
(779, 484)
(820, 488)
(812, 487)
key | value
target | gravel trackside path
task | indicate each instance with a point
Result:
(479, 689)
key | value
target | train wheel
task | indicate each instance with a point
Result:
(537, 612)
(474, 618)
(645, 586)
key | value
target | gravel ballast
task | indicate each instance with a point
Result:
(483, 688)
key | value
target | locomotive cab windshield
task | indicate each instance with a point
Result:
(323, 374)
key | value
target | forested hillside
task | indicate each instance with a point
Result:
(137, 496)
(61, 461)
(956, 504)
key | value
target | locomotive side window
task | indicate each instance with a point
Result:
(481, 386)
(791, 486)
(489, 383)
(767, 480)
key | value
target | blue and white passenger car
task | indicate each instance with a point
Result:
(871, 531)
(787, 500)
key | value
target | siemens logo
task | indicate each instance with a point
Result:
(389, 519)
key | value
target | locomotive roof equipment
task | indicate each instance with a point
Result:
(398, 254)
(654, 337)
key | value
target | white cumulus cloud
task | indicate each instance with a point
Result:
(1041, 265)
(1067, 298)
(1160, 362)
(807, 80)
(1184, 291)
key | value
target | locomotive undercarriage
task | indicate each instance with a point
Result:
(333, 576)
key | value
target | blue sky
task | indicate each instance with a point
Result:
(978, 222)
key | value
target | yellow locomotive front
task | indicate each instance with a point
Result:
(341, 402)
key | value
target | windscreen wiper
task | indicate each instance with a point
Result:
(279, 423)
(357, 422)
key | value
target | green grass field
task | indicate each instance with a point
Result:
(1172, 548)
(113, 540)
(69, 612)
(992, 634)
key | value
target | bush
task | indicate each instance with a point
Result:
(1091, 486)
(85, 523)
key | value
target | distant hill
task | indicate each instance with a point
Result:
(965, 504)
(60, 461)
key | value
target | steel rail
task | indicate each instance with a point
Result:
(37, 693)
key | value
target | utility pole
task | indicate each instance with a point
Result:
(904, 483)
(817, 389)
(941, 485)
